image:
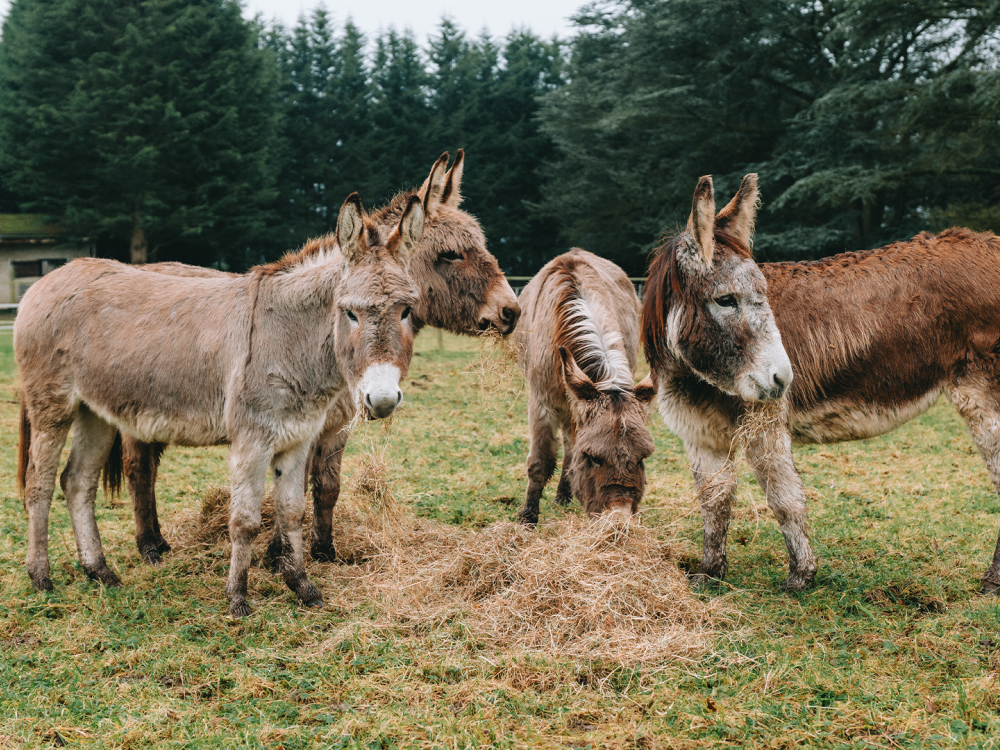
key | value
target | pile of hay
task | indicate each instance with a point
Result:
(572, 588)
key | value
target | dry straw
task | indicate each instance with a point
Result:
(571, 588)
(497, 371)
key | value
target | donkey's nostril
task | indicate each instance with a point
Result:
(507, 315)
(399, 397)
(778, 382)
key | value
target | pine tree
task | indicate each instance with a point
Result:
(865, 119)
(148, 120)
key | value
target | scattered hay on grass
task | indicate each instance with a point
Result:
(212, 524)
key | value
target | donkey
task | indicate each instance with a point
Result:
(253, 360)
(461, 290)
(577, 344)
(714, 347)
(874, 338)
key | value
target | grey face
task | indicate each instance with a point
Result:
(726, 331)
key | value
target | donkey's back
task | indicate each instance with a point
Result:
(875, 337)
(147, 352)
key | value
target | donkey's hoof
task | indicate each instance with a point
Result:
(527, 518)
(323, 552)
(152, 557)
(105, 575)
(797, 583)
(317, 602)
(990, 588)
(41, 583)
(563, 498)
(239, 608)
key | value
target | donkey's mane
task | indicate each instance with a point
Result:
(313, 247)
(664, 289)
(578, 329)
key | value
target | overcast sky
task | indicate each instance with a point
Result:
(544, 17)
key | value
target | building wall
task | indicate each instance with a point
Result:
(12, 252)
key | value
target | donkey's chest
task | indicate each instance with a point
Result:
(841, 420)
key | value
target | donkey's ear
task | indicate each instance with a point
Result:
(645, 390)
(739, 215)
(350, 229)
(701, 222)
(407, 235)
(578, 385)
(453, 184)
(432, 191)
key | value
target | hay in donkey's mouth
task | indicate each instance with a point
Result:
(496, 370)
(372, 480)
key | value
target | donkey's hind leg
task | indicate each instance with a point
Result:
(564, 493)
(289, 513)
(47, 442)
(142, 462)
(541, 458)
(92, 441)
(976, 396)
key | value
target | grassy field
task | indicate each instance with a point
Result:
(892, 648)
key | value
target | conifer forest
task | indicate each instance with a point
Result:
(182, 131)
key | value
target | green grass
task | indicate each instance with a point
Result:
(892, 648)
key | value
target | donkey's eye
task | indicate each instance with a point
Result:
(593, 461)
(351, 316)
(406, 313)
(727, 300)
(451, 256)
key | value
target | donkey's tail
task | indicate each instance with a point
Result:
(23, 448)
(114, 469)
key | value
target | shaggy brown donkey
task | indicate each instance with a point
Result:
(874, 338)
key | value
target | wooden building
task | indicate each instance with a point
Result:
(29, 249)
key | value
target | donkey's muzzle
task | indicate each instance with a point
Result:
(382, 405)
(380, 391)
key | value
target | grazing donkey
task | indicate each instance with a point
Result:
(577, 343)
(462, 289)
(253, 360)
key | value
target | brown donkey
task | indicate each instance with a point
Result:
(874, 338)
(461, 289)
(577, 344)
(252, 360)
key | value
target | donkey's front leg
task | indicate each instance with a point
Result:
(248, 464)
(770, 454)
(564, 493)
(289, 511)
(715, 476)
(541, 458)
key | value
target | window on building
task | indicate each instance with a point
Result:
(27, 268)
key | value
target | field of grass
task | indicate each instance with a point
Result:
(893, 648)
